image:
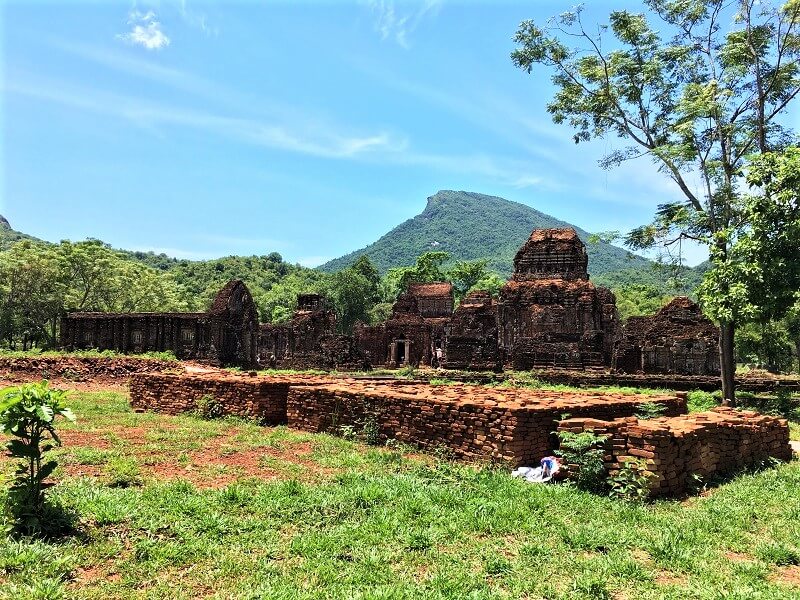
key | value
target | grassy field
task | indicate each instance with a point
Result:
(179, 507)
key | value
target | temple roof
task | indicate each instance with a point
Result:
(551, 254)
(422, 290)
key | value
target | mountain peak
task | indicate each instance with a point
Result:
(470, 226)
(4, 224)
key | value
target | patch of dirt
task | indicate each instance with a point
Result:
(218, 463)
(94, 573)
(667, 578)
(787, 576)
(738, 557)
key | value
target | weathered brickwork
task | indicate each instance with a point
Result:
(416, 332)
(677, 339)
(707, 444)
(514, 425)
(309, 341)
(226, 334)
(550, 314)
(472, 342)
(254, 397)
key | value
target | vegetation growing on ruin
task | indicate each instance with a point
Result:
(317, 517)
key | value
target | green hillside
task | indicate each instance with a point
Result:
(9, 236)
(471, 226)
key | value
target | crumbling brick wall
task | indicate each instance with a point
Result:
(516, 426)
(254, 397)
(513, 425)
(472, 341)
(677, 339)
(226, 334)
(708, 444)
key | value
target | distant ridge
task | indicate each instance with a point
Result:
(472, 226)
(9, 236)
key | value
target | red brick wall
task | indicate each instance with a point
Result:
(706, 444)
(510, 425)
(254, 397)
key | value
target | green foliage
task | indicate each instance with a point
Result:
(123, 472)
(206, 407)
(28, 414)
(354, 292)
(371, 430)
(637, 300)
(765, 346)
(700, 101)
(583, 454)
(632, 482)
(650, 410)
(465, 276)
(699, 401)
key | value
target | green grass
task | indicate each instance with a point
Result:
(39, 353)
(331, 518)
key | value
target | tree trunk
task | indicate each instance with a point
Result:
(727, 363)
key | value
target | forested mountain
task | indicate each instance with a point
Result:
(471, 226)
(9, 236)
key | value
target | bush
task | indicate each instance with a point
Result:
(649, 410)
(632, 482)
(28, 414)
(583, 453)
(206, 407)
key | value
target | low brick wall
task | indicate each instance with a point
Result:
(471, 422)
(255, 397)
(707, 444)
(81, 368)
(514, 425)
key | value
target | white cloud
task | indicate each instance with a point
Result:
(391, 25)
(145, 31)
(303, 137)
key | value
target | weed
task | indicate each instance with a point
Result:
(583, 453)
(632, 482)
(206, 407)
(371, 430)
(650, 410)
(778, 554)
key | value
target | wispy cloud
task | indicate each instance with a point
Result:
(145, 31)
(196, 19)
(292, 137)
(394, 25)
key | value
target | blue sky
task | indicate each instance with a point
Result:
(310, 129)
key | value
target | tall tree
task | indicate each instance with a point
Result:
(695, 94)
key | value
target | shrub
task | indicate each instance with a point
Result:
(371, 431)
(206, 407)
(583, 453)
(649, 410)
(28, 414)
(632, 481)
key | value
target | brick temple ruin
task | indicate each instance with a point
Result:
(677, 339)
(548, 315)
(226, 334)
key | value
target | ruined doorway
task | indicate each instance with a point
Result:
(400, 352)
